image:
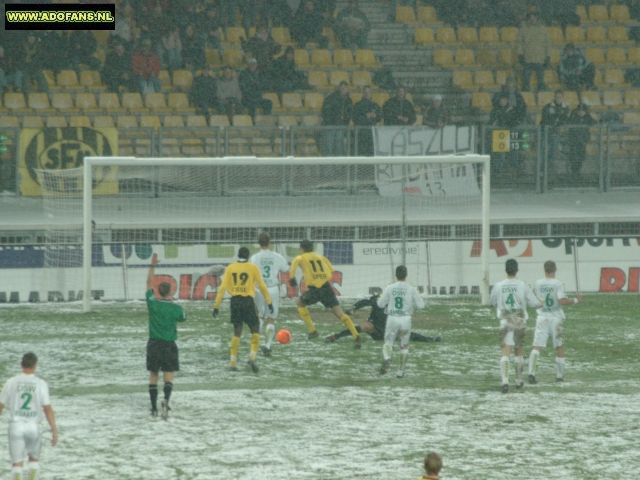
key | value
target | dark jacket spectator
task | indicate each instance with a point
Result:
(308, 25)
(579, 137)
(203, 92)
(82, 46)
(285, 76)
(145, 65)
(503, 115)
(352, 26)
(193, 52)
(398, 110)
(263, 48)
(576, 70)
(556, 113)
(29, 65)
(229, 93)
(366, 113)
(252, 85)
(337, 107)
(56, 44)
(117, 69)
(516, 100)
(436, 115)
(154, 25)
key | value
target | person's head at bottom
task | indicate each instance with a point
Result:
(432, 465)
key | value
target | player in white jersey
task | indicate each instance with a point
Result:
(510, 297)
(27, 400)
(271, 264)
(550, 319)
(398, 300)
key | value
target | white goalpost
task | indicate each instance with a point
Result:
(366, 214)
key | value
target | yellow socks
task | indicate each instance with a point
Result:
(255, 345)
(306, 318)
(349, 323)
(235, 346)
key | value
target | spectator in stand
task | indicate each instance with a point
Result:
(478, 13)
(229, 93)
(117, 69)
(554, 115)
(366, 113)
(508, 13)
(56, 44)
(565, 13)
(193, 53)
(575, 70)
(352, 26)
(578, 138)
(82, 46)
(534, 50)
(203, 92)
(263, 48)
(252, 85)
(503, 116)
(7, 75)
(436, 115)
(307, 25)
(153, 25)
(336, 111)
(173, 48)
(516, 100)
(145, 66)
(227, 11)
(212, 27)
(125, 29)
(398, 110)
(29, 66)
(281, 13)
(285, 77)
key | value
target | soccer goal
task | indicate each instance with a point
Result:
(367, 215)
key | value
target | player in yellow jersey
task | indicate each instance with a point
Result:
(239, 280)
(317, 272)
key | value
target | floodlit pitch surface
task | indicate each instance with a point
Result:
(322, 411)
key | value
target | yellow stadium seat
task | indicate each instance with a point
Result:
(56, 121)
(15, 101)
(287, 121)
(175, 121)
(467, 36)
(428, 15)
(310, 121)
(9, 121)
(571, 98)
(91, 79)
(242, 121)
(598, 13)
(615, 76)
(165, 79)
(102, 36)
(355, 97)
(617, 56)
(361, 78)
(179, 102)
(40, 103)
(595, 56)
(489, 36)
(132, 101)
(306, 147)
(462, 79)
(328, 32)
(634, 55)
(156, 102)
(487, 57)
(380, 98)
(632, 118)
(196, 121)
(313, 101)
(232, 58)
(62, 101)
(620, 14)
(213, 57)
(282, 36)
(502, 75)
(343, 58)
(301, 57)
(50, 78)
(265, 121)
(509, 34)
(545, 98)
(612, 99)
(79, 121)
(529, 99)
(182, 79)
(110, 102)
(484, 79)
(337, 77)
(446, 36)
(424, 36)
(234, 36)
(275, 101)
(366, 58)
(87, 102)
(192, 147)
(103, 121)
(592, 99)
(596, 35)
(582, 13)
(321, 58)
(551, 79)
(293, 101)
(574, 35)
(318, 79)
(219, 121)
(68, 79)
(261, 147)
(443, 58)
(406, 15)
(618, 34)
(557, 38)
(481, 101)
(632, 98)
(150, 121)
(465, 58)
(599, 81)
(556, 56)
(32, 122)
(507, 57)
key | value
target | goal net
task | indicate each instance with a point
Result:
(367, 215)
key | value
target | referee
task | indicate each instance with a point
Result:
(162, 351)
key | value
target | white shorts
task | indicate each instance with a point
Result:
(548, 326)
(25, 439)
(397, 327)
(512, 330)
(261, 303)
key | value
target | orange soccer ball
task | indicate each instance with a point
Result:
(283, 336)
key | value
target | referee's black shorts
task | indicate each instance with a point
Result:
(324, 295)
(162, 355)
(243, 309)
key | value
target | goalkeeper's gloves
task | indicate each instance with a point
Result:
(270, 307)
(215, 313)
(293, 282)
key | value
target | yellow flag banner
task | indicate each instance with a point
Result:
(65, 148)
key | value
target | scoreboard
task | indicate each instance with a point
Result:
(510, 140)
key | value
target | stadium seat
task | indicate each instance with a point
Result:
(467, 35)
(40, 103)
(232, 58)
(103, 121)
(465, 57)
(428, 15)
(318, 79)
(556, 56)
(380, 98)
(551, 79)
(443, 58)
(502, 75)
(196, 121)
(595, 56)
(598, 14)
(9, 121)
(265, 120)
(56, 121)
(481, 101)
(634, 55)
(557, 38)
(293, 101)
(592, 99)
(310, 121)
(169, 147)
(632, 98)
(87, 102)
(462, 79)
(355, 97)
(489, 36)
(612, 99)
(175, 121)
(287, 121)
(545, 98)
(361, 78)
(219, 121)
(574, 35)
(338, 76)
(620, 14)
(571, 98)
(313, 101)
(150, 121)
(632, 118)
(487, 57)
(192, 147)
(15, 101)
(238, 147)
(343, 58)
(301, 57)
(79, 121)
(179, 102)
(406, 15)
(615, 76)
(132, 101)
(599, 80)
(68, 79)
(617, 56)
(63, 102)
(446, 36)
(50, 78)
(261, 147)
(484, 79)
(581, 11)
(328, 32)
(275, 101)
(110, 102)
(424, 36)
(213, 57)
(102, 36)
(509, 34)
(91, 79)
(32, 122)
(597, 34)
(242, 121)
(530, 100)
(618, 34)
(157, 102)
(507, 57)
(366, 58)
(234, 36)
(321, 58)
(282, 36)
(165, 80)
(182, 79)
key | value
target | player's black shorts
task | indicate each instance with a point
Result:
(243, 309)
(377, 335)
(162, 355)
(324, 295)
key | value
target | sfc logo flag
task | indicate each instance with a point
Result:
(65, 148)
(18, 16)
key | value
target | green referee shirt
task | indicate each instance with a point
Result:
(163, 318)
